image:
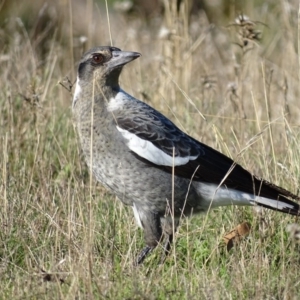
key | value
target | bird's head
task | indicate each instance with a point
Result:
(104, 64)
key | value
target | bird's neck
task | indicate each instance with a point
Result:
(93, 97)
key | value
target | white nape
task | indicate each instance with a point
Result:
(115, 103)
(77, 91)
(150, 152)
(118, 101)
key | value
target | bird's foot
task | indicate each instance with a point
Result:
(147, 250)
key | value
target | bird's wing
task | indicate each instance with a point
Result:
(156, 140)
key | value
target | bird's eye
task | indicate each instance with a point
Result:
(98, 58)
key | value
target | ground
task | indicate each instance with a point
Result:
(234, 85)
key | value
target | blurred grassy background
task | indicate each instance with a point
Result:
(228, 80)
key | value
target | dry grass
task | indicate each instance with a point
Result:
(64, 239)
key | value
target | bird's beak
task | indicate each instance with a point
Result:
(121, 58)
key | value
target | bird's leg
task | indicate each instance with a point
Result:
(167, 247)
(146, 250)
(152, 232)
(169, 231)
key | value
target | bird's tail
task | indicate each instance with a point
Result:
(222, 196)
(274, 197)
(282, 204)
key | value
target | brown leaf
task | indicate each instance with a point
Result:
(235, 235)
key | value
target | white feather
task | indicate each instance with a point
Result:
(118, 101)
(77, 91)
(150, 152)
(115, 103)
(137, 216)
(222, 197)
(277, 204)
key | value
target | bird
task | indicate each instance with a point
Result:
(144, 159)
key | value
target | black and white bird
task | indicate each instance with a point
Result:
(148, 162)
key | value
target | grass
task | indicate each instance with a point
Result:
(64, 238)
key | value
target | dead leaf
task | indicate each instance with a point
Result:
(235, 235)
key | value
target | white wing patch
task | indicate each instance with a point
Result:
(150, 152)
(77, 91)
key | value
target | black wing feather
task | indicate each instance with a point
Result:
(210, 165)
